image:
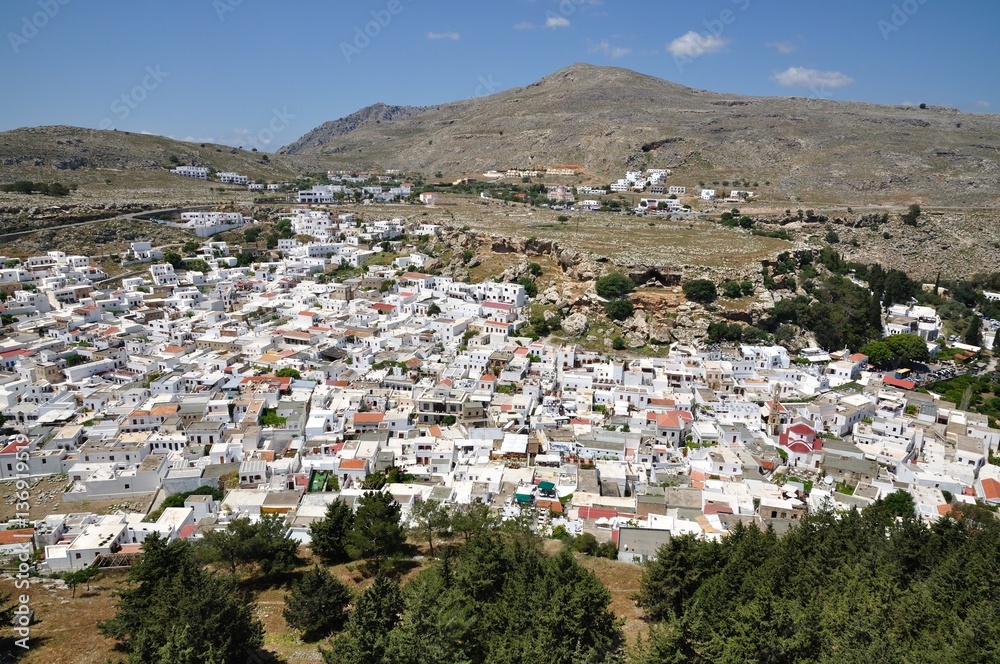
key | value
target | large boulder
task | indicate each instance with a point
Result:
(575, 325)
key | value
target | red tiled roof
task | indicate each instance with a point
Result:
(991, 489)
(352, 464)
(16, 536)
(897, 382)
(368, 418)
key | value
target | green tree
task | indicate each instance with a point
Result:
(472, 518)
(613, 285)
(172, 610)
(530, 287)
(288, 372)
(899, 503)
(732, 289)
(911, 215)
(329, 534)
(907, 347)
(433, 309)
(264, 543)
(376, 612)
(878, 352)
(618, 309)
(974, 333)
(429, 519)
(376, 533)
(700, 290)
(316, 603)
(174, 259)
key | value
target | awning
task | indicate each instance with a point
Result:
(546, 486)
(523, 497)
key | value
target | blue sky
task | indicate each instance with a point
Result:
(261, 73)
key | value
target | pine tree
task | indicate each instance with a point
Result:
(974, 334)
(376, 612)
(329, 534)
(317, 603)
(376, 533)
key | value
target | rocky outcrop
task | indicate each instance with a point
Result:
(575, 325)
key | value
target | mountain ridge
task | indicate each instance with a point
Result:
(609, 119)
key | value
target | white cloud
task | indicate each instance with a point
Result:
(982, 104)
(800, 77)
(557, 22)
(454, 36)
(608, 50)
(524, 25)
(693, 44)
(784, 47)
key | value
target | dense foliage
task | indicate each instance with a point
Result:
(700, 290)
(896, 349)
(496, 599)
(317, 603)
(614, 285)
(263, 544)
(330, 533)
(173, 610)
(864, 586)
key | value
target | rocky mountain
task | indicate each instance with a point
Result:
(607, 119)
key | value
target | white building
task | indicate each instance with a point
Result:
(233, 178)
(199, 172)
(163, 274)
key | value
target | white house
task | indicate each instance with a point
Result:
(233, 178)
(199, 172)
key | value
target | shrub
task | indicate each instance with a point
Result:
(700, 290)
(618, 309)
(614, 285)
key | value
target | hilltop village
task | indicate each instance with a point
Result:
(289, 382)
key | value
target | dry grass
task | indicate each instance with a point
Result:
(624, 239)
(65, 631)
(46, 498)
(622, 580)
